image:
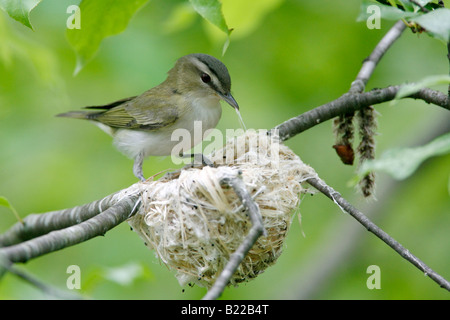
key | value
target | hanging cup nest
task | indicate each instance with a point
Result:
(194, 222)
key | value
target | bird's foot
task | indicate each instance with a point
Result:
(199, 161)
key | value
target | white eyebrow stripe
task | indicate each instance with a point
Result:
(205, 68)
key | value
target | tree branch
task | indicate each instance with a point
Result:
(350, 102)
(35, 225)
(370, 226)
(255, 232)
(59, 239)
(371, 62)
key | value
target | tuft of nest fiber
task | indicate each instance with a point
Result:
(194, 221)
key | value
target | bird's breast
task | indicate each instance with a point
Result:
(200, 115)
(204, 112)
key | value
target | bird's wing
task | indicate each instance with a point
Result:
(111, 105)
(143, 112)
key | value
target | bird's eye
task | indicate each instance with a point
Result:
(205, 78)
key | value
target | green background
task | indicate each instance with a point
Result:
(285, 57)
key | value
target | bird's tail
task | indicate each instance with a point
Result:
(78, 115)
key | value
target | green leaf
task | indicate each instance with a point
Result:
(100, 19)
(386, 12)
(211, 10)
(19, 10)
(436, 23)
(400, 163)
(393, 3)
(429, 81)
(5, 203)
(408, 5)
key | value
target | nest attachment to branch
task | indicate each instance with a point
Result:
(195, 221)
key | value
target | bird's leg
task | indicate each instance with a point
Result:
(200, 160)
(196, 163)
(137, 166)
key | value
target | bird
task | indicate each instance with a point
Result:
(142, 125)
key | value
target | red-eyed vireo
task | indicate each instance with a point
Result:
(142, 126)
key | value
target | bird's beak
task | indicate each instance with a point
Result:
(230, 100)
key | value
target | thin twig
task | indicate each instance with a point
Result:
(371, 62)
(255, 232)
(43, 287)
(448, 57)
(442, 5)
(422, 8)
(370, 226)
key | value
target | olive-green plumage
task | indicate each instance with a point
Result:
(142, 125)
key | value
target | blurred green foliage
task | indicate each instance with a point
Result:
(100, 20)
(285, 57)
